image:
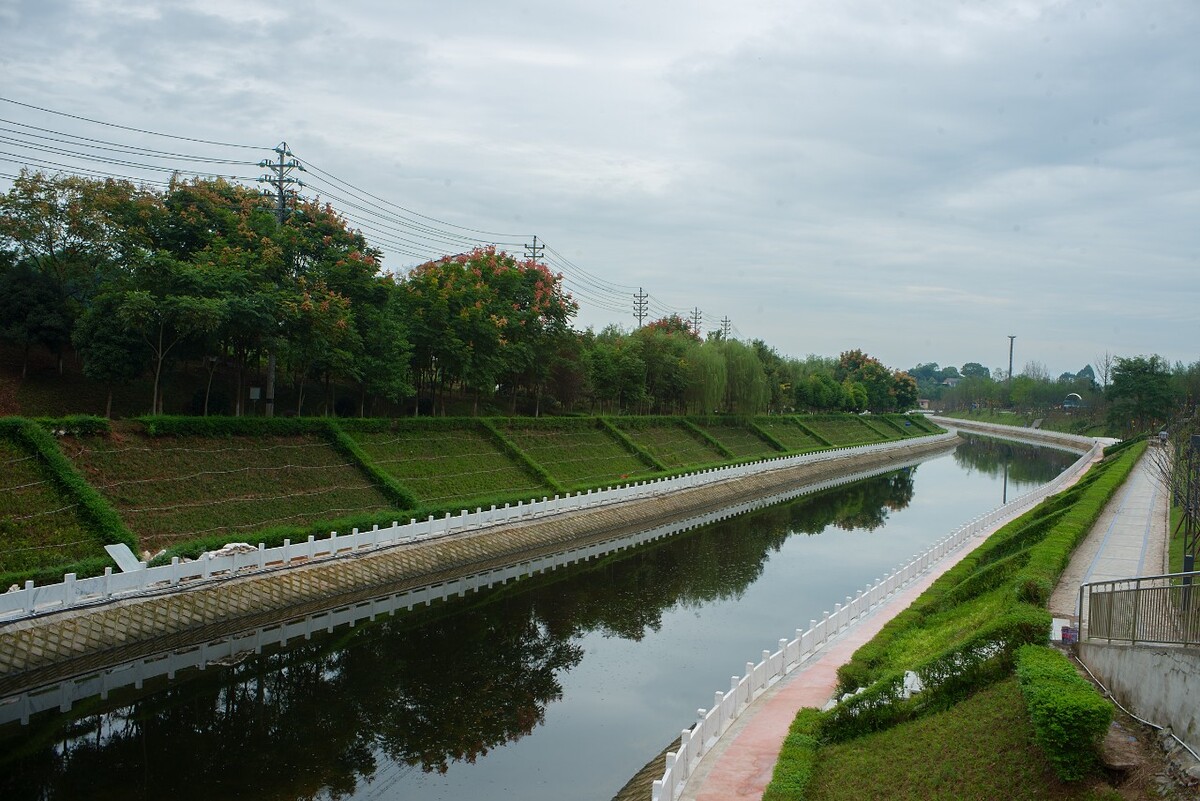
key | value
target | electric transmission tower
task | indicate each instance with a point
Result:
(534, 251)
(725, 324)
(696, 317)
(640, 304)
(281, 181)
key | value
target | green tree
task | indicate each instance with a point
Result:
(33, 311)
(164, 303)
(112, 353)
(1139, 396)
(975, 370)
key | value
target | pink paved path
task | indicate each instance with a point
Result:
(739, 766)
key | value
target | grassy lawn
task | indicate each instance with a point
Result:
(789, 434)
(742, 442)
(980, 750)
(672, 444)
(459, 464)
(576, 456)
(942, 631)
(843, 430)
(39, 527)
(174, 489)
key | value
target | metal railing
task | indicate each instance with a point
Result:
(1151, 610)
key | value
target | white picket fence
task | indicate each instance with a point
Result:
(74, 592)
(63, 695)
(712, 723)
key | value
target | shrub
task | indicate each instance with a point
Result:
(948, 678)
(79, 425)
(1069, 716)
(93, 507)
(797, 758)
(1048, 558)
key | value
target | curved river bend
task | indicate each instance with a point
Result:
(560, 686)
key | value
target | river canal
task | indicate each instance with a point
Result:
(559, 686)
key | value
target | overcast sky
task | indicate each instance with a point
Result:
(916, 179)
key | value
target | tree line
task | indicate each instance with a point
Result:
(1128, 394)
(138, 281)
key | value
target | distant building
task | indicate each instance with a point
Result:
(950, 382)
(1073, 401)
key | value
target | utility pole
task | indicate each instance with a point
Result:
(1011, 337)
(640, 304)
(725, 324)
(281, 181)
(696, 317)
(534, 252)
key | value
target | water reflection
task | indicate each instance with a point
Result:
(426, 689)
(424, 692)
(1024, 465)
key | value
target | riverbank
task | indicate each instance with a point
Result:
(52, 647)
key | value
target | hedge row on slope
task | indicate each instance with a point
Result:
(877, 685)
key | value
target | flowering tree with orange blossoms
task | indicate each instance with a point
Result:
(481, 318)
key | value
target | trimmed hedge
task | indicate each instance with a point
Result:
(390, 487)
(949, 677)
(707, 437)
(797, 758)
(94, 511)
(641, 453)
(77, 425)
(93, 507)
(522, 458)
(218, 426)
(1069, 716)
(1049, 558)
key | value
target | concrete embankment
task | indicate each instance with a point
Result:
(1037, 436)
(56, 646)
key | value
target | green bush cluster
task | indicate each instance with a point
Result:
(797, 759)
(76, 425)
(983, 570)
(1069, 716)
(979, 661)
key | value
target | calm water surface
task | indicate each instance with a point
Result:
(555, 687)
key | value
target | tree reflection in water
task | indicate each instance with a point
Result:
(1029, 465)
(425, 689)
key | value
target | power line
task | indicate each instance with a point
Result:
(104, 144)
(131, 128)
(400, 230)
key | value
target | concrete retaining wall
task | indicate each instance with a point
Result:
(1071, 442)
(1158, 683)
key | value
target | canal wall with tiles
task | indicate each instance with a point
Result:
(56, 646)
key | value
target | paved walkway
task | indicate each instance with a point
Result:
(1129, 538)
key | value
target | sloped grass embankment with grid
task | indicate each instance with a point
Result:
(175, 489)
(192, 484)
